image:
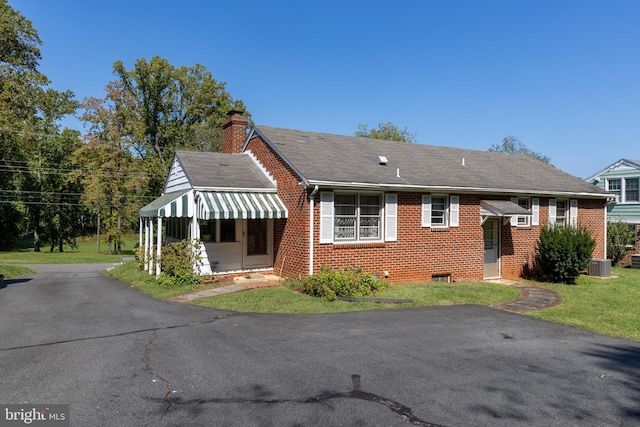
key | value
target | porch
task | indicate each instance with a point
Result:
(234, 229)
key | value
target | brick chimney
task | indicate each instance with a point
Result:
(234, 132)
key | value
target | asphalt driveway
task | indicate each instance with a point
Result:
(72, 336)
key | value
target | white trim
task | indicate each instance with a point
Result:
(356, 186)
(426, 210)
(326, 217)
(454, 211)
(552, 212)
(159, 247)
(391, 217)
(573, 212)
(535, 211)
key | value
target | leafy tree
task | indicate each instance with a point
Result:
(29, 111)
(386, 131)
(156, 108)
(619, 236)
(511, 144)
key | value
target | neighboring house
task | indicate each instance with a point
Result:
(622, 179)
(292, 202)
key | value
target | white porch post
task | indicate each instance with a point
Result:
(151, 263)
(140, 232)
(158, 246)
(146, 244)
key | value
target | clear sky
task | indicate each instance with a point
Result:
(561, 75)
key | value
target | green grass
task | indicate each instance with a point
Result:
(284, 300)
(130, 274)
(607, 306)
(13, 271)
(85, 252)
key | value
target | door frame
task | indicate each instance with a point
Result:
(497, 231)
(257, 261)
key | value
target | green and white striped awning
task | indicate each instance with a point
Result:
(171, 205)
(232, 205)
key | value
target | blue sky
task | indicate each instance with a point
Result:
(563, 76)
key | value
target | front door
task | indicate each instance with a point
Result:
(491, 231)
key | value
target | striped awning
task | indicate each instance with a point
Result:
(232, 205)
(171, 205)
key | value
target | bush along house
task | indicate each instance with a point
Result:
(292, 202)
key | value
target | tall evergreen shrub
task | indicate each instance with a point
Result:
(562, 252)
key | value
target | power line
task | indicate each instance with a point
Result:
(53, 193)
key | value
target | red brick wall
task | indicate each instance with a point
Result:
(419, 252)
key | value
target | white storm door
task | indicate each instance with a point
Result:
(491, 231)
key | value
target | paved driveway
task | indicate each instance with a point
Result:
(71, 335)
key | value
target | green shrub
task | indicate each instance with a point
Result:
(619, 237)
(176, 264)
(563, 252)
(330, 284)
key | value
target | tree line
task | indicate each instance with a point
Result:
(58, 184)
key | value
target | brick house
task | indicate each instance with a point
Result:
(291, 202)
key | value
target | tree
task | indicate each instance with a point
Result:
(386, 131)
(620, 236)
(156, 108)
(148, 113)
(29, 111)
(512, 145)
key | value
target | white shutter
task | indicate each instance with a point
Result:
(391, 217)
(426, 210)
(454, 206)
(552, 211)
(514, 218)
(573, 212)
(326, 217)
(535, 211)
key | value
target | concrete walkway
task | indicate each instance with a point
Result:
(252, 281)
(532, 298)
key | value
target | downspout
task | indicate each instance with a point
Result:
(605, 232)
(311, 227)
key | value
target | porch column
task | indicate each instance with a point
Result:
(151, 263)
(158, 246)
(140, 232)
(145, 254)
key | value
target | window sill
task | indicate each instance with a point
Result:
(438, 229)
(358, 245)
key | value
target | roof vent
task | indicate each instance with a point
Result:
(382, 160)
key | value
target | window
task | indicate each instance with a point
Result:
(561, 212)
(219, 230)
(357, 217)
(631, 193)
(439, 211)
(524, 221)
(615, 186)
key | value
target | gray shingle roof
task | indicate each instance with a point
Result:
(321, 157)
(223, 170)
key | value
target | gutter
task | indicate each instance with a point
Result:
(468, 190)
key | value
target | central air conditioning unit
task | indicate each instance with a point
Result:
(600, 268)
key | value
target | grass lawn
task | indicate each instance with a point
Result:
(284, 300)
(84, 253)
(607, 306)
(13, 271)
